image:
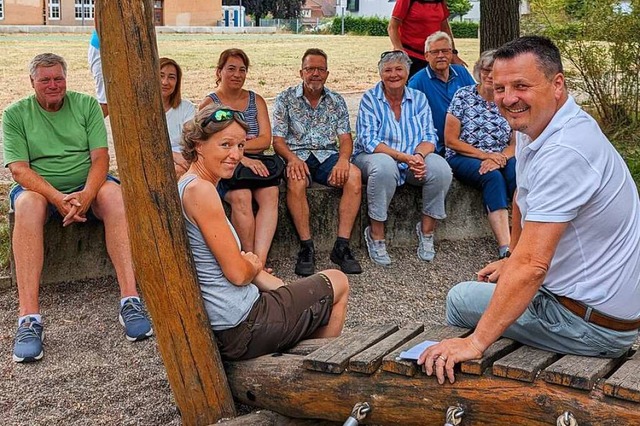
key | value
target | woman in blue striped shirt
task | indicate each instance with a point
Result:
(395, 144)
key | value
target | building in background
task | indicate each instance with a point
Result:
(81, 12)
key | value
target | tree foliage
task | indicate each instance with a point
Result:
(284, 9)
(459, 7)
(601, 41)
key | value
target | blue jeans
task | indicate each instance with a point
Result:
(497, 186)
(382, 176)
(545, 324)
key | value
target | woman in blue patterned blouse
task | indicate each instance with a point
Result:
(481, 148)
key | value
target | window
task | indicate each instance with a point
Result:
(54, 9)
(84, 9)
(306, 13)
(1, 9)
(353, 5)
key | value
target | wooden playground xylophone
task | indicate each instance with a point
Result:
(511, 385)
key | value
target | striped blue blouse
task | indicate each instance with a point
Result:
(376, 124)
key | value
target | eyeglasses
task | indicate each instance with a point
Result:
(311, 70)
(221, 115)
(437, 52)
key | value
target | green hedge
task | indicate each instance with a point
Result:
(375, 26)
(464, 29)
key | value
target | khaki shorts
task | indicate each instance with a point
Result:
(279, 319)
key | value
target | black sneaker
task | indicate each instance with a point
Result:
(342, 256)
(306, 264)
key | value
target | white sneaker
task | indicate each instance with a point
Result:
(377, 249)
(425, 244)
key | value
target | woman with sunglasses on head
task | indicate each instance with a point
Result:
(252, 312)
(255, 232)
(395, 145)
(481, 148)
(177, 110)
(412, 21)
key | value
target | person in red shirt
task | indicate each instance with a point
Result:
(412, 21)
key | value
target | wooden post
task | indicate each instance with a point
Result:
(164, 266)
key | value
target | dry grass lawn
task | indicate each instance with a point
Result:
(274, 60)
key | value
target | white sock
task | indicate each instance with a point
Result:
(34, 317)
(124, 300)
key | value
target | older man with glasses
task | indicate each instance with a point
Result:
(311, 132)
(440, 80)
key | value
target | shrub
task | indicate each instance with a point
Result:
(372, 26)
(464, 29)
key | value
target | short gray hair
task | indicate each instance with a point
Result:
(437, 36)
(46, 60)
(394, 56)
(486, 60)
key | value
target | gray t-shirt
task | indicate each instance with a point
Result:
(227, 305)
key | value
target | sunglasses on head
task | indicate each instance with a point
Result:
(389, 52)
(221, 115)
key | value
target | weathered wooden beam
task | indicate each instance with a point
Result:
(334, 357)
(164, 267)
(496, 350)
(368, 361)
(282, 384)
(524, 363)
(580, 372)
(625, 382)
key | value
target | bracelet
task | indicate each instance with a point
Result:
(420, 154)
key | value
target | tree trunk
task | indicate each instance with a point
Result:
(499, 22)
(164, 266)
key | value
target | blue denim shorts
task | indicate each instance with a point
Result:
(320, 172)
(17, 190)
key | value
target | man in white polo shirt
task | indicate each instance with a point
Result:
(572, 284)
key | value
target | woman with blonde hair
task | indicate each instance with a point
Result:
(251, 312)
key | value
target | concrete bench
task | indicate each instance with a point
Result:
(78, 252)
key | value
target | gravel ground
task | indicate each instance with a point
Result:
(91, 375)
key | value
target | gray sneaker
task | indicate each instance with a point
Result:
(377, 249)
(135, 322)
(425, 244)
(28, 342)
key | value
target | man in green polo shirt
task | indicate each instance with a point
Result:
(55, 145)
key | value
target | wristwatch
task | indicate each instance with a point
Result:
(454, 51)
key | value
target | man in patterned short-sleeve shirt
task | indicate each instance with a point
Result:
(311, 132)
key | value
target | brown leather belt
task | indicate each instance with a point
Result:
(598, 318)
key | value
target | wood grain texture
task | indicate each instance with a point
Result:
(334, 357)
(579, 372)
(625, 382)
(393, 364)
(496, 350)
(164, 267)
(524, 363)
(369, 360)
(281, 384)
